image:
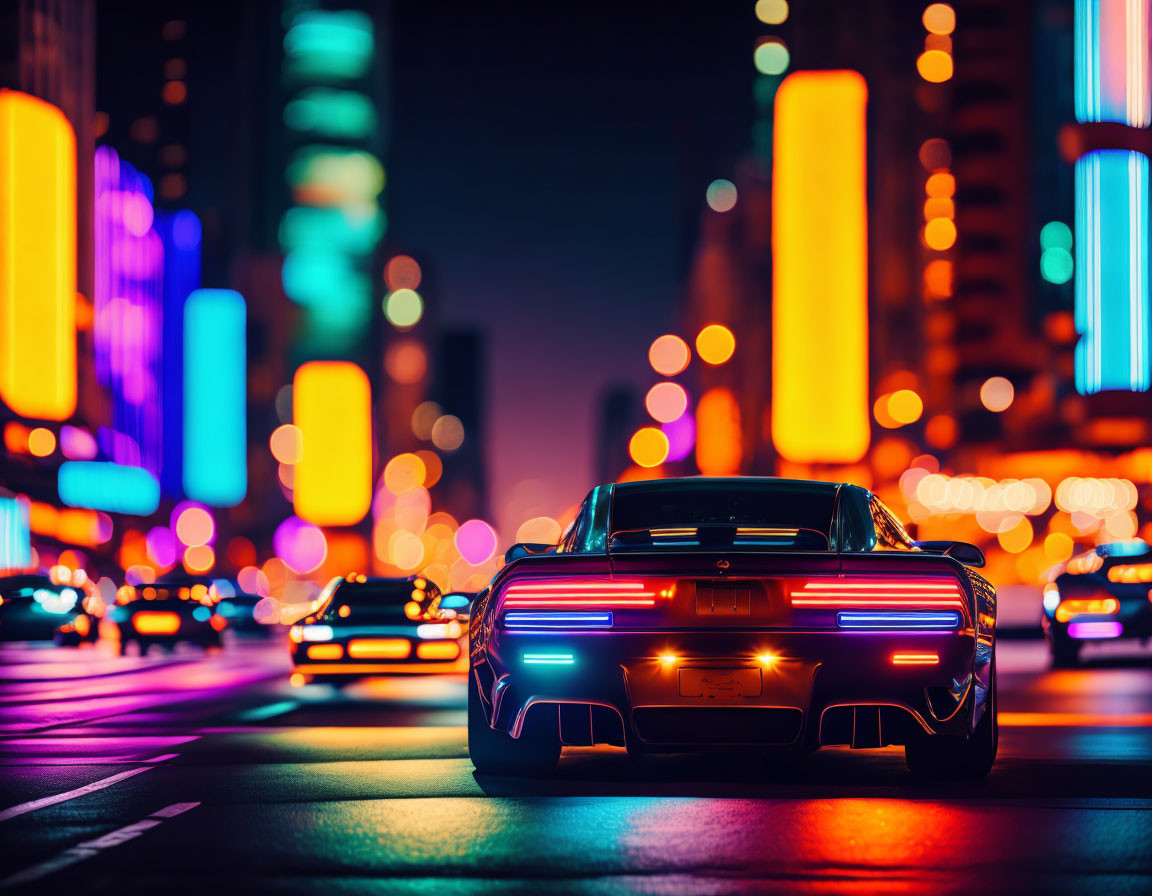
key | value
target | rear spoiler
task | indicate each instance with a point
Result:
(710, 536)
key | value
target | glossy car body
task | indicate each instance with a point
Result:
(363, 627)
(1103, 595)
(698, 613)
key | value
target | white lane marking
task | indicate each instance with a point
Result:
(164, 757)
(33, 805)
(90, 848)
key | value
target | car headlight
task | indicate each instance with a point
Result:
(300, 633)
(1051, 598)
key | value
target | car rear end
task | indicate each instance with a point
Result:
(1097, 598)
(377, 627)
(162, 616)
(666, 650)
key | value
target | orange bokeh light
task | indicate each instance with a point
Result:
(715, 344)
(286, 444)
(939, 18)
(941, 185)
(940, 234)
(403, 473)
(938, 279)
(648, 447)
(41, 442)
(669, 355)
(406, 361)
(934, 66)
(719, 450)
(199, 558)
(997, 393)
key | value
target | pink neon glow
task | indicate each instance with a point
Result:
(588, 593)
(476, 542)
(1095, 630)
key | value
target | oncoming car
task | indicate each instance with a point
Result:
(1103, 595)
(690, 614)
(363, 627)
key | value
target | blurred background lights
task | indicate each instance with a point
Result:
(195, 526)
(772, 12)
(199, 558)
(669, 355)
(406, 361)
(476, 542)
(424, 418)
(996, 393)
(939, 234)
(771, 56)
(404, 308)
(286, 444)
(898, 408)
(299, 544)
(934, 66)
(41, 442)
(539, 530)
(715, 344)
(681, 435)
(404, 472)
(721, 195)
(935, 153)
(407, 550)
(648, 447)
(1056, 264)
(940, 18)
(448, 433)
(402, 272)
(161, 545)
(666, 402)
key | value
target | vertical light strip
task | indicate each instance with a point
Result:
(332, 406)
(1112, 284)
(37, 258)
(215, 397)
(820, 269)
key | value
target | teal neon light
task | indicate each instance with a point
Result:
(1112, 314)
(548, 659)
(215, 397)
(115, 488)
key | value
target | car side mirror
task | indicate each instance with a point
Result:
(526, 549)
(966, 553)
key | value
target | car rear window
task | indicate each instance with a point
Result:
(372, 601)
(667, 504)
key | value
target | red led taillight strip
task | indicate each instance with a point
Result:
(580, 594)
(837, 593)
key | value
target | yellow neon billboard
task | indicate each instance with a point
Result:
(37, 258)
(820, 269)
(332, 407)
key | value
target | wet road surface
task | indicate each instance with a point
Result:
(192, 774)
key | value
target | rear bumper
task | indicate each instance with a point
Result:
(819, 687)
(347, 667)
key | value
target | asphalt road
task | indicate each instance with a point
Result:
(210, 775)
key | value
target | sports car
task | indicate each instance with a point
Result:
(1103, 595)
(361, 627)
(692, 614)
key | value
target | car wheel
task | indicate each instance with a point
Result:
(495, 753)
(1065, 652)
(943, 756)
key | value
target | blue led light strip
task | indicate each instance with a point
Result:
(873, 620)
(533, 620)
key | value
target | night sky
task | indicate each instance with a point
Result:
(547, 164)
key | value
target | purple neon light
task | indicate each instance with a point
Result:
(1095, 629)
(128, 295)
(681, 434)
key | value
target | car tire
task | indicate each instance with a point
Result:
(941, 756)
(495, 753)
(1065, 651)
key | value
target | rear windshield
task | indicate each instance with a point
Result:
(783, 504)
(372, 602)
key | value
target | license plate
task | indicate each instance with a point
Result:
(723, 600)
(719, 682)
